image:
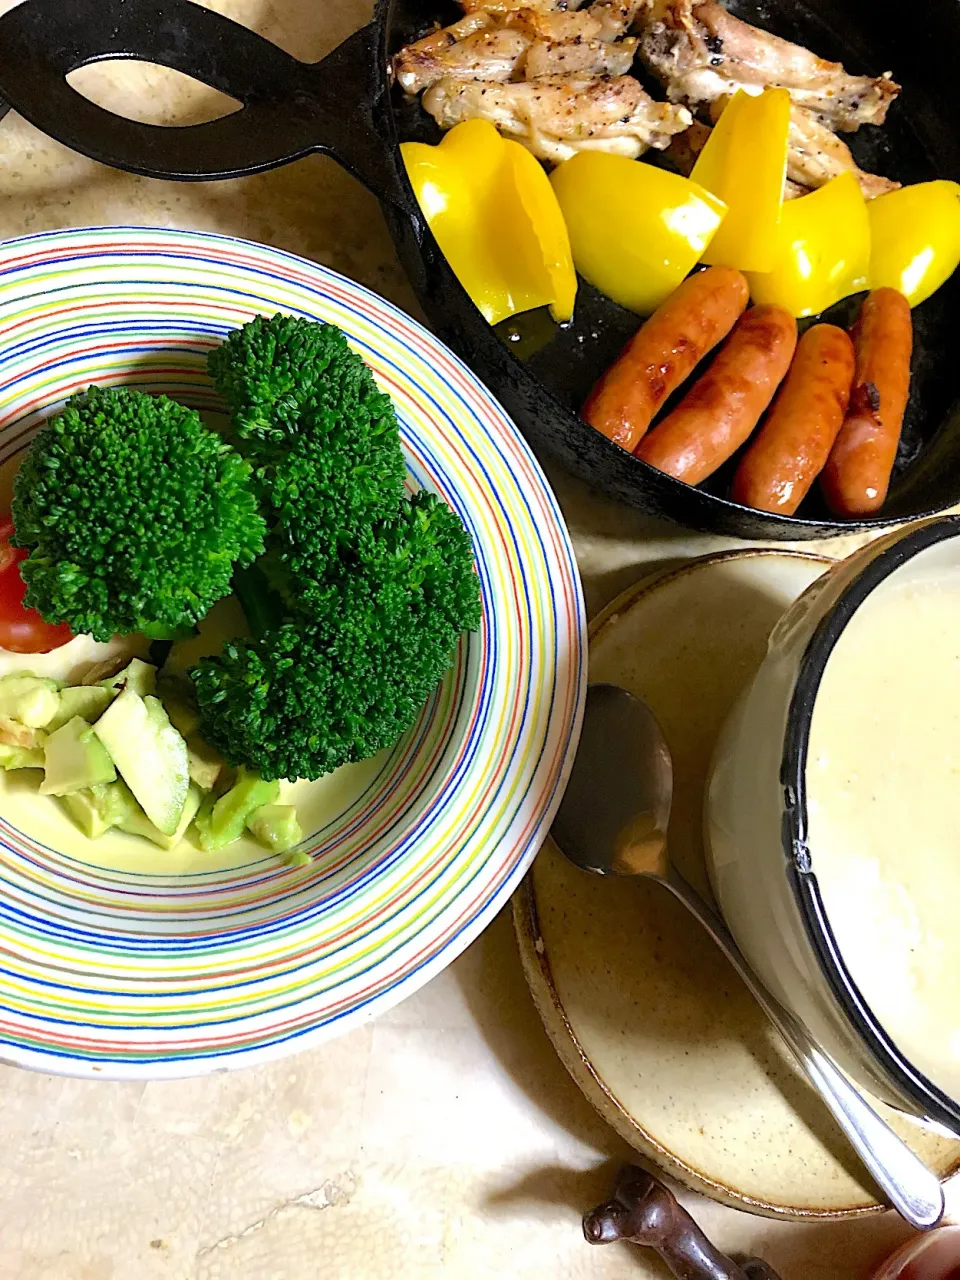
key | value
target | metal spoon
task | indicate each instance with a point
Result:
(613, 821)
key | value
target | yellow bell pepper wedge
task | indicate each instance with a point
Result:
(493, 213)
(636, 231)
(824, 250)
(916, 238)
(745, 163)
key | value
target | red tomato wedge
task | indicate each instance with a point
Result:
(22, 630)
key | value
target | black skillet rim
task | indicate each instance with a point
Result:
(902, 1075)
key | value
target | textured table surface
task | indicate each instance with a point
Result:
(445, 1140)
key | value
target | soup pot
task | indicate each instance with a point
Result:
(762, 860)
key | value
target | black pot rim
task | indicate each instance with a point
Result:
(903, 1077)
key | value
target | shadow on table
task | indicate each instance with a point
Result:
(494, 989)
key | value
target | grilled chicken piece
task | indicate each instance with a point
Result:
(472, 49)
(556, 118)
(701, 52)
(616, 16)
(524, 43)
(510, 6)
(572, 25)
(816, 155)
(584, 58)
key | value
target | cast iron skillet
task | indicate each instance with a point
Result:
(344, 106)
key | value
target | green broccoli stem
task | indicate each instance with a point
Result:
(261, 605)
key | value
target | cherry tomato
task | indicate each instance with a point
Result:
(22, 630)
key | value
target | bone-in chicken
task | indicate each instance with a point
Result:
(584, 58)
(524, 44)
(700, 52)
(556, 118)
(473, 49)
(816, 155)
(510, 6)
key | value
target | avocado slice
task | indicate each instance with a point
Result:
(176, 694)
(15, 734)
(74, 758)
(136, 823)
(149, 754)
(276, 827)
(223, 822)
(203, 763)
(96, 809)
(20, 757)
(33, 700)
(137, 675)
(89, 701)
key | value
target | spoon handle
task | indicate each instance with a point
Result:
(912, 1189)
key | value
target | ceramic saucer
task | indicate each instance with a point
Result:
(645, 1012)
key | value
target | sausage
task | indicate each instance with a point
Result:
(794, 443)
(717, 415)
(857, 475)
(664, 352)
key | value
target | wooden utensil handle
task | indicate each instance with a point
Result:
(642, 1211)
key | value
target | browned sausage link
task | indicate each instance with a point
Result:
(857, 475)
(714, 419)
(664, 352)
(792, 446)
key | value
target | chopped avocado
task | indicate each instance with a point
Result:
(30, 699)
(149, 754)
(87, 701)
(136, 823)
(20, 757)
(96, 809)
(139, 676)
(176, 694)
(15, 734)
(276, 827)
(221, 824)
(203, 764)
(74, 758)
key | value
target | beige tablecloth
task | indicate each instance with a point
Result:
(445, 1140)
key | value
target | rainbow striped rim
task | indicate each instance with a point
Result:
(142, 975)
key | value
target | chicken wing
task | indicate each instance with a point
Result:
(509, 6)
(816, 155)
(556, 118)
(583, 58)
(701, 52)
(525, 43)
(472, 49)
(615, 16)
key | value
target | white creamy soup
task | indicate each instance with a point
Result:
(883, 782)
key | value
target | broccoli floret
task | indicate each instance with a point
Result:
(135, 514)
(351, 666)
(322, 438)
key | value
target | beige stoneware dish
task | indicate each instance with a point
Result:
(645, 1013)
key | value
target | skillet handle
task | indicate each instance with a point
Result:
(338, 106)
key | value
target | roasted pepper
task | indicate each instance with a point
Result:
(824, 250)
(493, 212)
(636, 231)
(745, 163)
(916, 238)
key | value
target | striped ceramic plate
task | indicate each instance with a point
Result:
(120, 960)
